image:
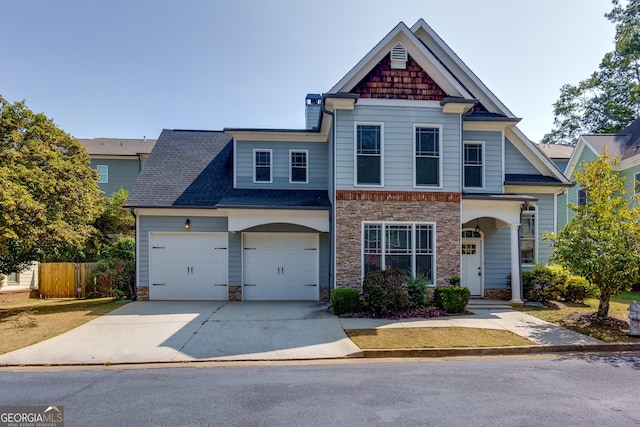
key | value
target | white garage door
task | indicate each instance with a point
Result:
(188, 266)
(280, 266)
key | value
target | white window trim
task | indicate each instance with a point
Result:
(306, 178)
(383, 237)
(536, 219)
(263, 150)
(586, 196)
(355, 154)
(440, 172)
(636, 179)
(484, 165)
(103, 171)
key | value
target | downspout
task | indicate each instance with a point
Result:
(332, 211)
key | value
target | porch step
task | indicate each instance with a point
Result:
(487, 304)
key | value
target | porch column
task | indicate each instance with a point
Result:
(515, 265)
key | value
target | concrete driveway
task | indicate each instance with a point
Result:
(175, 331)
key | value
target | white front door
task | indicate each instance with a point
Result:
(188, 266)
(280, 266)
(471, 276)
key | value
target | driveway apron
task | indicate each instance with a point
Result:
(174, 331)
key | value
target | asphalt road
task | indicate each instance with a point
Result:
(540, 391)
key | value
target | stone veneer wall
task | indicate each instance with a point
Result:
(235, 293)
(354, 207)
(142, 293)
(501, 294)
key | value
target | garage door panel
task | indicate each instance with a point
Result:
(188, 266)
(280, 266)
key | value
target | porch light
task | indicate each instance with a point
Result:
(476, 229)
(187, 224)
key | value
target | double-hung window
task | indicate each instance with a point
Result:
(427, 164)
(473, 165)
(103, 172)
(583, 196)
(528, 236)
(407, 246)
(368, 154)
(636, 183)
(262, 166)
(298, 168)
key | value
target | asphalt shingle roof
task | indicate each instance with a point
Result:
(117, 146)
(625, 144)
(195, 169)
(524, 179)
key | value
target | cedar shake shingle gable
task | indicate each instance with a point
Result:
(195, 169)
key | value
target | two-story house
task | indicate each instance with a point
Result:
(624, 145)
(409, 161)
(117, 160)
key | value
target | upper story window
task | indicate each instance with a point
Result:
(636, 183)
(262, 171)
(428, 159)
(583, 197)
(473, 165)
(103, 171)
(369, 154)
(528, 236)
(298, 167)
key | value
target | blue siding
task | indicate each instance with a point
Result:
(147, 224)
(122, 174)
(493, 178)
(515, 162)
(398, 145)
(545, 216)
(317, 161)
(235, 259)
(497, 254)
(586, 156)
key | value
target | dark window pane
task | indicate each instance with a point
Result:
(369, 170)
(298, 174)
(368, 139)
(403, 262)
(427, 172)
(424, 266)
(372, 263)
(263, 174)
(472, 176)
(427, 142)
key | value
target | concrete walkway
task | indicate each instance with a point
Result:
(186, 331)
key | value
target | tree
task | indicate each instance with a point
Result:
(609, 99)
(49, 197)
(601, 242)
(114, 220)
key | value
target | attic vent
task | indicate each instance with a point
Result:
(399, 57)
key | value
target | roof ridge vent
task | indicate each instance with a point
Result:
(399, 57)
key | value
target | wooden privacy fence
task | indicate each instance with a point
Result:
(63, 279)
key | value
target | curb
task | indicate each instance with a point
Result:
(498, 351)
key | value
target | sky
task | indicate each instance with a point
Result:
(130, 68)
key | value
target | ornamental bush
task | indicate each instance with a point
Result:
(452, 299)
(384, 291)
(418, 291)
(345, 301)
(577, 289)
(548, 283)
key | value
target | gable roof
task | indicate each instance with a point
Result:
(557, 151)
(189, 168)
(625, 145)
(117, 146)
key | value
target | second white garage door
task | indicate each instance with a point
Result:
(188, 266)
(280, 266)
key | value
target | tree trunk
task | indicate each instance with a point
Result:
(603, 307)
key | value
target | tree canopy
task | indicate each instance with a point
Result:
(49, 197)
(601, 242)
(609, 99)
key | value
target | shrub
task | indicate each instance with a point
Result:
(452, 299)
(548, 282)
(454, 280)
(116, 271)
(123, 248)
(345, 301)
(384, 291)
(577, 289)
(418, 291)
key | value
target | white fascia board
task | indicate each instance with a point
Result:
(418, 52)
(399, 103)
(451, 60)
(533, 189)
(113, 157)
(180, 212)
(529, 150)
(241, 219)
(333, 104)
(575, 155)
(278, 136)
(628, 163)
(497, 126)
